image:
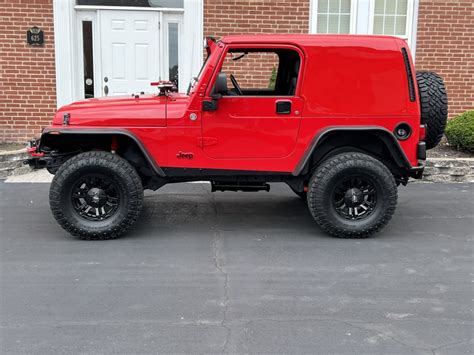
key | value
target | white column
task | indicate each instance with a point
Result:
(414, 28)
(192, 46)
(363, 16)
(64, 20)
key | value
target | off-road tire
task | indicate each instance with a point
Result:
(324, 181)
(120, 172)
(434, 106)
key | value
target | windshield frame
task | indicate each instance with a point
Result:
(195, 79)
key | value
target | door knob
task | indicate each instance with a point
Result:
(106, 90)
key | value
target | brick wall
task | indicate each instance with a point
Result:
(27, 74)
(253, 71)
(226, 17)
(445, 44)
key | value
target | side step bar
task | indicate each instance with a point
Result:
(239, 186)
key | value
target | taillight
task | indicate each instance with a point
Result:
(422, 132)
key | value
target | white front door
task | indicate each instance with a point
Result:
(130, 51)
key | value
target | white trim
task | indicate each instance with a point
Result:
(414, 31)
(128, 8)
(167, 19)
(64, 50)
(354, 16)
(79, 72)
(312, 23)
(192, 45)
(362, 17)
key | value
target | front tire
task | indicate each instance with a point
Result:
(96, 195)
(352, 195)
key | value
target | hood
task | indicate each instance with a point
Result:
(122, 111)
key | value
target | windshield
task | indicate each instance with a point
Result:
(195, 79)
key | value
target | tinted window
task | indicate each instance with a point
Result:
(262, 72)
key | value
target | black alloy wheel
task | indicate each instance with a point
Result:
(95, 197)
(355, 197)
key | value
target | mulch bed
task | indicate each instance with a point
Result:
(444, 150)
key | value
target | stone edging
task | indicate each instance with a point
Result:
(437, 169)
(449, 170)
(11, 163)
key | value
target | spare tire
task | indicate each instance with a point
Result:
(434, 106)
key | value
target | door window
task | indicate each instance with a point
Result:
(173, 53)
(88, 59)
(261, 72)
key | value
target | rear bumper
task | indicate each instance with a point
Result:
(421, 151)
(416, 172)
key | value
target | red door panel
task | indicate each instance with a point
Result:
(250, 127)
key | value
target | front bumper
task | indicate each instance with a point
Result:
(44, 157)
(32, 148)
(37, 159)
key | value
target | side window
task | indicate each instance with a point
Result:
(254, 72)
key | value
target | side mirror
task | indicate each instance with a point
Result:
(220, 87)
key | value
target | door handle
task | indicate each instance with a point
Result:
(106, 88)
(283, 107)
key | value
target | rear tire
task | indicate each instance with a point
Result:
(352, 195)
(434, 106)
(96, 196)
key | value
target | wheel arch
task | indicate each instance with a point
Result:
(104, 139)
(333, 140)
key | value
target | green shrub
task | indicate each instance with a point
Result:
(460, 131)
(273, 78)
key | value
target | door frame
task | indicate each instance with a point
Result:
(97, 68)
(165, 20)
(68, 19)
(296, 99)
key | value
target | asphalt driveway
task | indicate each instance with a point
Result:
(230, 272)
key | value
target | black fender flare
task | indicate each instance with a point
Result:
(384, 134)
(51, 131)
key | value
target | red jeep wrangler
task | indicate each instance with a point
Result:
(343, 120)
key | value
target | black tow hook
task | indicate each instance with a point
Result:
(35, 163)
